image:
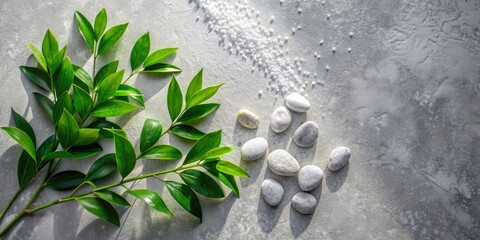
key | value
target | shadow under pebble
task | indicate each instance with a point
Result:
(242, 134)
(300, 222)
(335, 180)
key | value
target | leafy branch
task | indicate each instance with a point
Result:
(79, 105)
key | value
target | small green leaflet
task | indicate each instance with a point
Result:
(151, 198)
(100, 208)
(185, 197)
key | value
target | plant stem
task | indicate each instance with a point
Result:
(9, 204)
(132, 74)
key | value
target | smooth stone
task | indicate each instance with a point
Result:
(304, 203)
(283, 163)
(309, 177)
(280, 119)
(272, 192)
(306, 135)
(297, 102)
(248, 119)
(338, 158)
(254, 149)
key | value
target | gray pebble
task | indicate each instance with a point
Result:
(283, 163)
(280, 119)
(304, 203)
(272, 192)
(297, 102)
(338, 158)
(309, 177)
(248, 119)
(306, 135)
(254, 149)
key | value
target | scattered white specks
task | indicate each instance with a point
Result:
(327, 68)
(328, 16)
(351, 34)
(349, 50)
(334, 49)
(321, 42)
(299, 10)
(272, 19)
(299, 27)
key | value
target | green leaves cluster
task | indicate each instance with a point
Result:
(79, 106)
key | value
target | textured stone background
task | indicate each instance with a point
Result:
(406, 100)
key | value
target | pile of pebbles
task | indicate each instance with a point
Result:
(281, 162)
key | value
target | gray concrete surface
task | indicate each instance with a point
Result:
(406, 100)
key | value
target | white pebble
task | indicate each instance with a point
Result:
(280, 119)
(299, 10)
(247, 118)
(338, 158)
(272, 192)
(306, 134)
(309, 177)
(351, 34)
(254, 149)
(282, 163)
(349, 49)
(304, 203)
(321, 42)
(297, 102)
(272, 19)
(334, 49)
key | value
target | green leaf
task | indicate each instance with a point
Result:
(174, 99)
(202, 146)
(100, 208)
(105, 71)
(203, 95)
(82, 101)
(63, 102)
(49, 145)
(100, 23)
(23, 125)
(39, 56)
(67, 129)
(202, 183)
(104, 124)
(195, 85)
(151, 198)
(226, 179)
(113, 108)
(185, 197)
(64, 77)
(125, 155)
(37, 76)
(65, 180)
(218, 152)
(49, 47)
(198, 112)
(111, 37)
(151, 132)
(87, 136)
(83, 76)
(112, 197)
(102, 167)
(129, 91)
(162, 152)
(140, 51)
(22, 139)
(57, 61)
(231, 169)
(46, 105)
(109, 85)
(27, 168)
(86, 30)
(162, 68)
(158, 56)
(187, 132)
(74, 152)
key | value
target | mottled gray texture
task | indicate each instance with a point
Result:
(297, 102)
(309, 177)
(282, 163)
(405, 100)
(280, 119)
(304, 203)
(247, 118)
(338, 158)
(306, 135)
(254, 149)
(272, 192)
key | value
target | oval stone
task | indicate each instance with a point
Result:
(280, 119)
(338, 158)
(272, 192)
(297, 102)
(306, 135)
(248, 119)
(304, 203)
(283, 163)
(254, 149)
(309, 177)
